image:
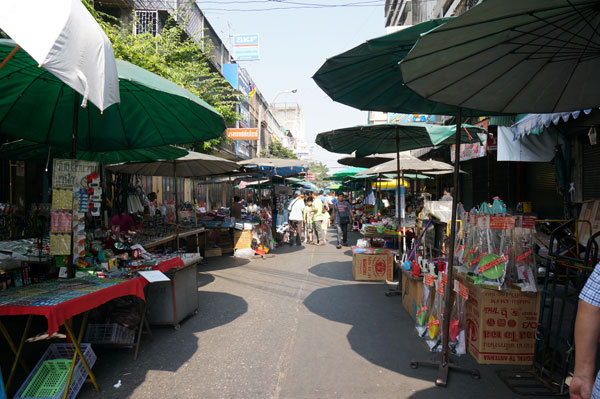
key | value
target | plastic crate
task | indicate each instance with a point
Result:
(109, 334)
(49, 379)
(32, 384)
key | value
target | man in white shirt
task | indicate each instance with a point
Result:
(296, 208)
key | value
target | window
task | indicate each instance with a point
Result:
(146, 22)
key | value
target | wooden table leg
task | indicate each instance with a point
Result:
(140, 331)
(78, 352)
(11, 344)
(74, 360)
(18, 354)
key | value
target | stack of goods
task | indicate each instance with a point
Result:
(495, 250)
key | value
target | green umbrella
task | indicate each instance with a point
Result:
(535, 56)
(342, 174)
(153, 111)
(364, 162)
(381, 139)
(27, 150)
(368, 77)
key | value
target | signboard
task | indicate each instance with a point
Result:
(401, 118)
(231, 73)
(473, 150)
(243, 134)
(242, 148)
(245, 47)
(310, 176)
(70, 172)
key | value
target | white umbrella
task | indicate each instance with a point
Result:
(407, 162)
(64, 38)
(194, 164)
(274, 162)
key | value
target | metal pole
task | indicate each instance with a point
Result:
(397, 174)
(175, 191)
(448, 289)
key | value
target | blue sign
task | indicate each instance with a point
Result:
(245, 48)
(231, 72)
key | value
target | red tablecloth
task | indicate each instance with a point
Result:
(57, 314)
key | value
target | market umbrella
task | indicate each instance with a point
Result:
(27, 150)
(368, 77)
(534, 56)
(365, 162)
(194, 164)
(380, 139)
(64, 38)
(407, 162)
(348, 172)
(276, 166)
(37, 106)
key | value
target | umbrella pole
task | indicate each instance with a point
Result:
(397, 175)
(175, 193)
(10, 55)
(445, 363)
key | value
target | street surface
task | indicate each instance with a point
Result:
(292, 326)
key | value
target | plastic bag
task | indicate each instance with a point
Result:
(523, 272)
(457, 334)
(433, 338)
(426, 305)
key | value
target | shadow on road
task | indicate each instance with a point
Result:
(334, 270)
(383, 333)
(167, 350)
(221, 263)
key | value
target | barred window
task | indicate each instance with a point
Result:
(146, 21)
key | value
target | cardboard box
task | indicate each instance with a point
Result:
(372, 267)
(212, 252)
(501, 325)
(242, 239)
(412, 293)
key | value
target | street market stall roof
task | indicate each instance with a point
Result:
(367, 77)
(381, 139)
(365, 162)
(37, 106)
(194, 164)
(24, 150)
(533, 56)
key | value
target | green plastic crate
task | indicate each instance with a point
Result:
(49, 380)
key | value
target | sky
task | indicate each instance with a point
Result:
(294, 43)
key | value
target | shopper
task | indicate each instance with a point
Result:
(317, 220)
(325, 224)
(308, 214)
(447, 194)
(296, 217)
(236, 208)
(122, 222)
(343, 217)
(586, 383)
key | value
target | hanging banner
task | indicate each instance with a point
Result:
(243, 134)
(70, 172)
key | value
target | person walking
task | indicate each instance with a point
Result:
(296, 210)
(308, 214)
(343, 217)
(317, 207)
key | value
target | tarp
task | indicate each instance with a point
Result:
(536, 123)
(531, 148)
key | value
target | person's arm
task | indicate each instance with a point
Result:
(587, 333)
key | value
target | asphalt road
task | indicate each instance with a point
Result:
(292, 326)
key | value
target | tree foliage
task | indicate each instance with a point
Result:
(277, 150)
(173, 55)
(319, 170)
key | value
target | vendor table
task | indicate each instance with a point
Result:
(170, 302)
(60, 300)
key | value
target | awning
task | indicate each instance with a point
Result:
(536, 123)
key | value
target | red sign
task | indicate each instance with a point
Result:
(243, 134)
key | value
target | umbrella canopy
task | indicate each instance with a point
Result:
(37, 106)
(27, 150)
(64, 38)
(194, 164)
(347, 172)
(365, 162)
(407, 162)
(512, 56)
(381, 139)
(274, 162)
(368, 77)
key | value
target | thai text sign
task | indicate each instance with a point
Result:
(243, 134)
